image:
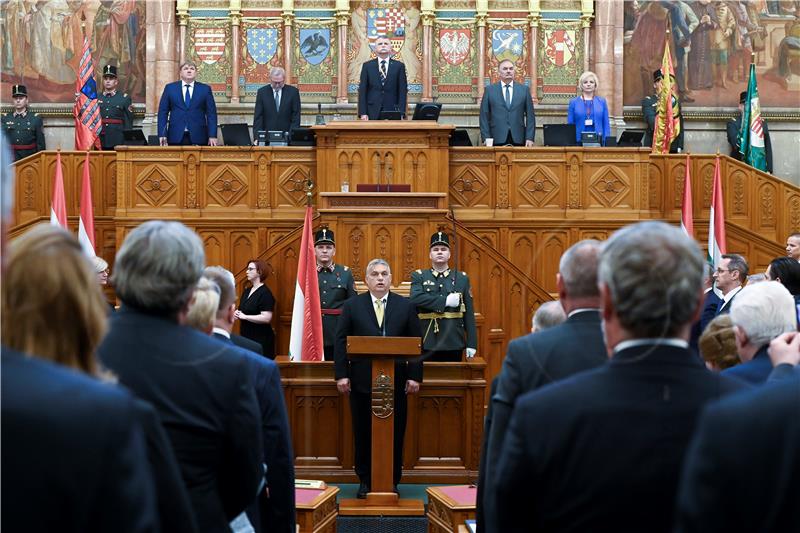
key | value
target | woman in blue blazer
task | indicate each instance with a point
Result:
(587, 111)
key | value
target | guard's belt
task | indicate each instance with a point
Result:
(112, 121)
(331, 311)
(435, 316)
(24, 146)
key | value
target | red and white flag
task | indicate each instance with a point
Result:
(86, 224)
(687, 216)
(305, 342)
(58, 208)
(86, 110)
(716, 223)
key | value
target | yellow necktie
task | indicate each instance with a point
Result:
(379, 311)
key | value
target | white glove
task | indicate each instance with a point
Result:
(471, 353)
(453, 300)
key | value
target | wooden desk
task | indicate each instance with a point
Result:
(450, 507)
(316, 510)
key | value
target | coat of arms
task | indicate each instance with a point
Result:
(559, 46)
(209, 44)
(454, 45)
(390, 22)
(315, 43)
(507, 44)
(262, 43)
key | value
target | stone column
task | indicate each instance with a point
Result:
(428, 15)
(533, 45)
(288, 37)
(236, 38)
(481, 16)
(160, 54)
(183, 23)
(605, 41)
(587, 13)
(342, 23)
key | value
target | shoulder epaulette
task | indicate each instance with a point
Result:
(345, 267)
(418, 271)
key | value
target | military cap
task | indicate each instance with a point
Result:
(742, 97)
(19, 90)
(110, 70)
(440, 239)
(324, 236)
(658, 75)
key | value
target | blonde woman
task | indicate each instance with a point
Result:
(588, 111)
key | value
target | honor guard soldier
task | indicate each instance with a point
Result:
(24, 129)
(444, 302)
(115, 110)
(336, 285)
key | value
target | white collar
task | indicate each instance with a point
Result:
(221, 331)
(510, 84)
(190, 84)
(583, 310)
(731, 294)
(375, 299)
(632, 343)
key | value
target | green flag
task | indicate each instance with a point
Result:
(751, 132)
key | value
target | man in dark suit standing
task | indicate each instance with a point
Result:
(277, 105)
(537, 359)
(274, 510)
(747, 445)
(507, 110)
(729, 278)
(377, 313)
(74, 457)
(187, 113)
(202, 389)
(383, 85)
(733, 126)
(602, 450)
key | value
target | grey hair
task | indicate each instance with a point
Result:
(203, 307)
(756, 278)
(99, 264)
(708, 272)
(158, 266)
(764, 311)
(277, 71)
(6, 181)
(654, 274)
(375, 262)
(548, 315)
(578, 268)
(227, 286)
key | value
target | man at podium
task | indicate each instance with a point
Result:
(375, 313)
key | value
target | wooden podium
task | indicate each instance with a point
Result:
(382, 351)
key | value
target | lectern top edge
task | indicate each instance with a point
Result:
(383, 347)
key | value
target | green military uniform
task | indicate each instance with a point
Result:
(446, 331)
(25, 132)
(336, 284)
(650, 110)
(115, 111)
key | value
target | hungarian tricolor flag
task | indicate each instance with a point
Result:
(86, 110)
(58, 208)
(751, 134)
(687, 216)
(716, 223)
(668, 123)
(305, 343)
(86, 223)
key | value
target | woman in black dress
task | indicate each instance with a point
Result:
(255, 309)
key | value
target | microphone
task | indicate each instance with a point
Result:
(320, 120)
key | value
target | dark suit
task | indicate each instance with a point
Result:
(755, 371)
(268, 118)
(499, 122)
(710, 304)
(375, 96)
(732, 128)
(602, 450)
(531, 362)
(199, 119)
(481, 489)
(203, 392)
(358, 319)
(242, 342)
(276, 513)
(724, 308)
(73, 453)
(742, 470)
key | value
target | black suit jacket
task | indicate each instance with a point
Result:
(267, 118)
(374, 95)
(203, 392)
(497, 120)
(602, 450)
(531, 362)
(732, 129)
(242, 342)
(74, 457)
(710, 305)
(746, 447)
(358, 319)
(276, 513)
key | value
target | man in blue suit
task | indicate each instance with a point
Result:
(383, 86)
(187, 114)
(507, 110)
(274, 510)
